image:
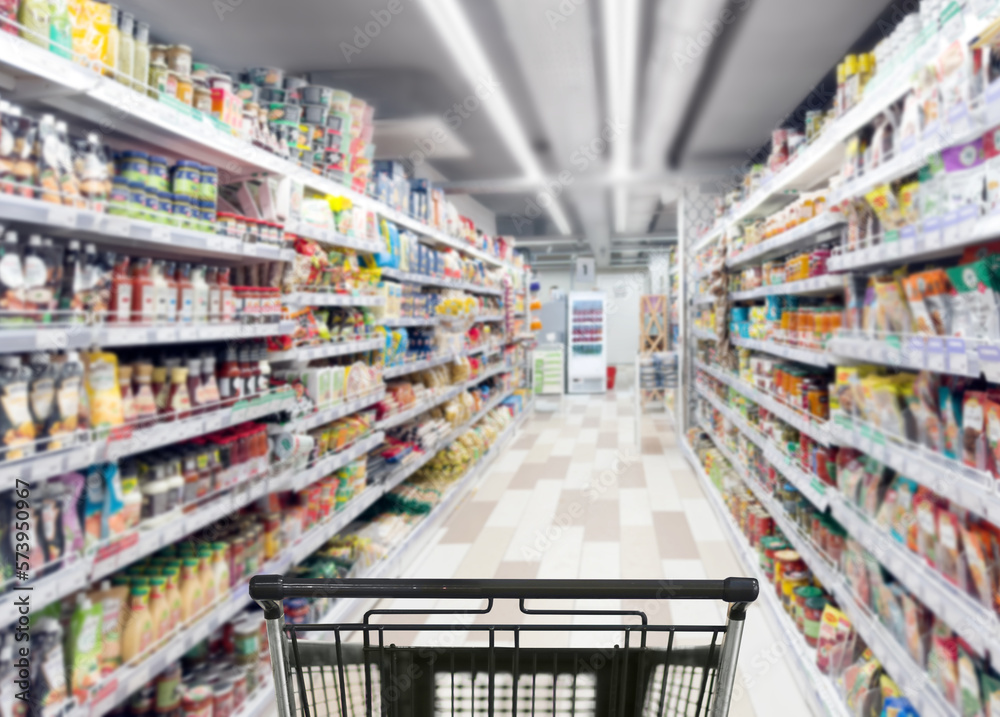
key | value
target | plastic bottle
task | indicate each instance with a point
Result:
(228, 296)
(170, 277)
(191, 596)
(206, 572)
(179, 404)
(173, 594)
(248, 379)
(230, 378)
(111, 48)
(159, 607)
(121, 292)
(143, 291)
(220, 562)
(214, 295)
(201, 297)
(41, 394)
(126, 49)
(185, 294)
(194, 385)
(140, 63)
(138, 633)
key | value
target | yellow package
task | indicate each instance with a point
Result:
(88, 41)
(104, 398)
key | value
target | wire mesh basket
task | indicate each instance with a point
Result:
(348, 669)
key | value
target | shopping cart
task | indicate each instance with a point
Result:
(361, 671)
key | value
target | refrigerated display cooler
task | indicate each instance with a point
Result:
(587, 358)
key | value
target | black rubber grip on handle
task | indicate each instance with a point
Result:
(733, 590)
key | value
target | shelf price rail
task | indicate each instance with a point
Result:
(823, 694)
(125, 681)
(815, 429)
(911, 678)
(130, 440)
(810, 486)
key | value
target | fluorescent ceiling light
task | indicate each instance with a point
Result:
(457, 34)
(621, 39)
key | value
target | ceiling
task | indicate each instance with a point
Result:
(590, 114)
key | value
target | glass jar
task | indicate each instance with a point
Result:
(185, 90)
(159, 83)
(179, 59)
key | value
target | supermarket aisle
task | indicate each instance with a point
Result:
(574, 497)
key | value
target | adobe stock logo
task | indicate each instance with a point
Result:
(363, 35)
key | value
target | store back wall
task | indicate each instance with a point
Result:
(623, 289)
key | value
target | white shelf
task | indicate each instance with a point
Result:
(399, 419)
(814, 428)
(297, 479)
(333, 238)
(939, 354)
(813, 286)
(327, 414)
(414, 366)
(702, 299)
(911, 677)
(975, 623)
(72, 336)
(424, 280)
(965, 486)
(816, 230)
(822, 693)
(328, 350)
(928, 240)
(138, 234)
(792, 353)
(808, 485)
(407, 322)
(130, 441)
(321, 298)
(144, 540)
(80, 92)
(704, 334)
(398, 558)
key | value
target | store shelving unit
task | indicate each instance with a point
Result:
(819, 689)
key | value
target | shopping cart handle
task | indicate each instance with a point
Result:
(276, 588)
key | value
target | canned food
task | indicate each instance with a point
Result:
(271, 77)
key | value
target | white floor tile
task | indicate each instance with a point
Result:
(530, 538)
(633, 507)
(561, 561)
(701, 518)
(600, 560)
(683, 570)
(509, 509)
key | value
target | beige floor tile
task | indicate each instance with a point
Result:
(640, 556)
(485, 554)
(466, 523)
(673, 536)
(493, 487)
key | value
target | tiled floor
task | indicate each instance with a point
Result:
(575, 497)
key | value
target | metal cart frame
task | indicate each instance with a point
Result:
(377, 677)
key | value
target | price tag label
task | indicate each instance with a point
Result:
(935, 355)
(119, 226)
(62, 216)
(161, 234)
(949, 230)
(250, 249)
(914, 352)
(165, 335)
(47, 466)
(993, 103)
(931, 232)
(127, 337)
(958, 361)
(989, 362)
(51, 339)
(138, 679)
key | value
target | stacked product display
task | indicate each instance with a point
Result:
(212, 363)
(844, 352)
